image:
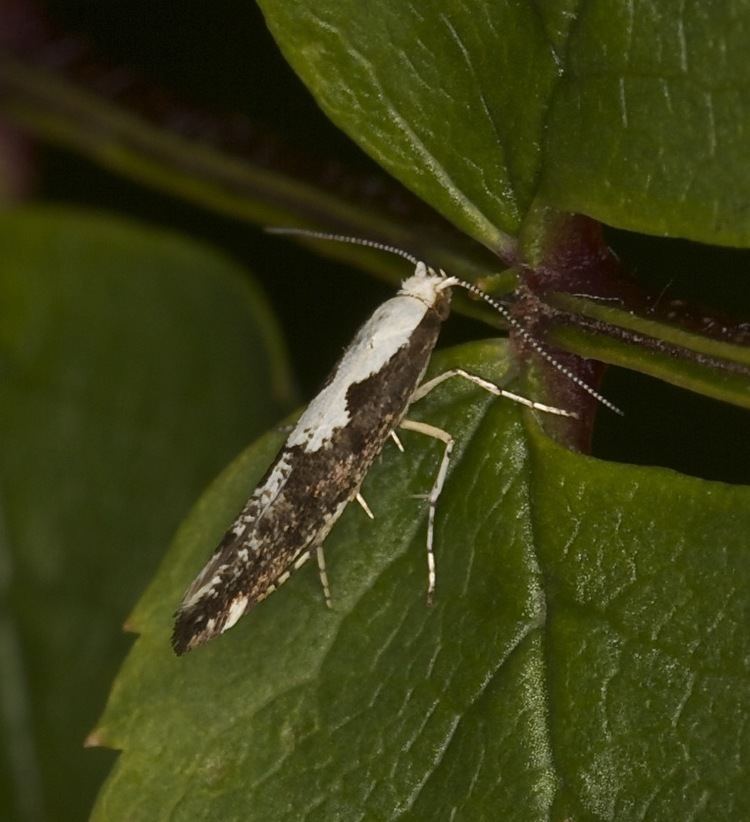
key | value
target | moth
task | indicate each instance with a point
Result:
(324, 460)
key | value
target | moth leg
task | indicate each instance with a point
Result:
(437, 487)
(426, 387)
(323, 575)
(282, 578)
(394, 437)
(365, 507)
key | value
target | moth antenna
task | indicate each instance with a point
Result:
(470, 287)
(343, 238)
(528, 337)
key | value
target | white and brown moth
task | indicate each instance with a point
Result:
(323, 462)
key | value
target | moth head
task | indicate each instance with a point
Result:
(429, 287)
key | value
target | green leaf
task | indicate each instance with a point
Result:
(633, 114)
(586, 656)
(133, 364)
(648, 128)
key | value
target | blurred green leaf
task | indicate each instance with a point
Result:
(586, 656)
(636, 115)
(133, 365)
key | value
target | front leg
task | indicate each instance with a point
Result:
(428, 386)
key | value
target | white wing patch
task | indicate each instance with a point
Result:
(236, 610)
(388, 330)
